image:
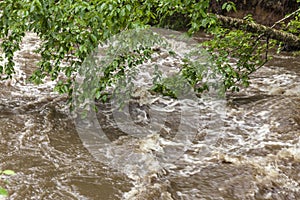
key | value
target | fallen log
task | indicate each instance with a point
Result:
(287, 38)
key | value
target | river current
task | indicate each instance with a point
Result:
(244, 145)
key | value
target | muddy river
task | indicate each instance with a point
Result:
(242, 146)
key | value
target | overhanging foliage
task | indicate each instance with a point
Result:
(71, 29)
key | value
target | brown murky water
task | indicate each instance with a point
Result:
(252, 151)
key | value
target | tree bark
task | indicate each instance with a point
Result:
(287, 38)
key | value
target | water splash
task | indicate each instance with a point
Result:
(150, 131)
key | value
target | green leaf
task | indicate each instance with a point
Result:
(3, 192)
(123, 12)
(228, 7)
(224, 6)
(94, 38)
(32, 7)
(128, 7)
(98, 94)
(8, 172)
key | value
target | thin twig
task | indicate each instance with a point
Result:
(288, 16)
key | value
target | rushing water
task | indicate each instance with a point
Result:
(245, 146)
